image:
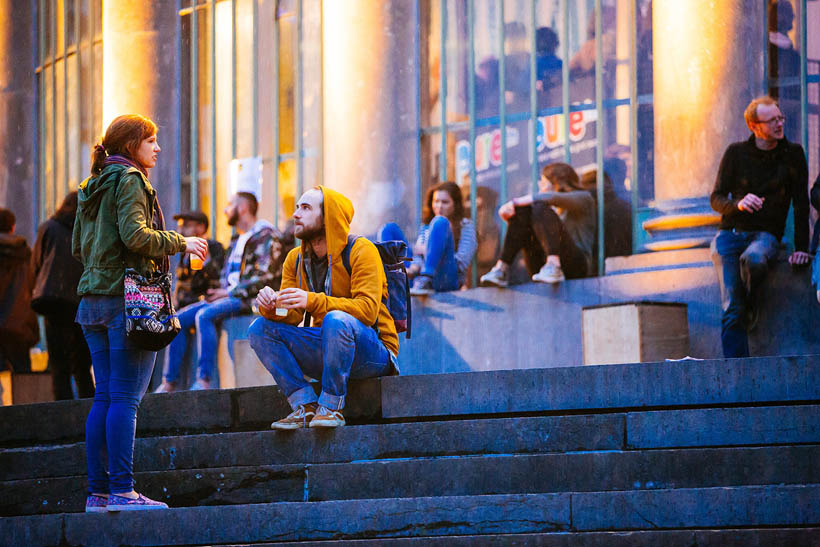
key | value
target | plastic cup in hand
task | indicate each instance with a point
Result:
(196, 262)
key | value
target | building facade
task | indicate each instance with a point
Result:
(380, 99)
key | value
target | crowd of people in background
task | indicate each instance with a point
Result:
(324, 305)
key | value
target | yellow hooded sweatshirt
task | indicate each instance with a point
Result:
(362, 294)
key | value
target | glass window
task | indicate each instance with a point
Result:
(241, 99)
(69, 84)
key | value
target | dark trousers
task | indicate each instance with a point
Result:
(68, 356)
(539, 232)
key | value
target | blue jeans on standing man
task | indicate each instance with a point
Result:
(342, 348)
(122, 373)
(742, 261)
(205, 316)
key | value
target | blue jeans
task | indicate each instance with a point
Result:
(440, 257)
(205, 316)
(741, 260)
(122, 373)
(342, 348)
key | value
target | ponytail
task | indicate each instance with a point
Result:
(97, 159)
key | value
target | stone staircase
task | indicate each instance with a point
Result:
(720, 452)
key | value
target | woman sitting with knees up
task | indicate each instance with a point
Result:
(446, 243)
(555, 229)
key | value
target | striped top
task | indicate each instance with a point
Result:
(465, 247)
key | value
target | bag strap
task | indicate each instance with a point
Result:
(351, 239)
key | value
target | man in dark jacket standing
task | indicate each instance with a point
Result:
(18, 324)
(57, 274)
(757, 181)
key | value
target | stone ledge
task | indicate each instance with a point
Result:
(360, 443)
(449, 476)
(721, 382)
(704, 508)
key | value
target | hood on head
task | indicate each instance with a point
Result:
(338, 213)
(14, 247)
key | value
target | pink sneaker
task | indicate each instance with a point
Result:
(96, 504)
(141, 503)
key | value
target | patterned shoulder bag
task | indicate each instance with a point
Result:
(151, 322)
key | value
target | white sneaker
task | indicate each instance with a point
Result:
(549, 273)
(496, 276)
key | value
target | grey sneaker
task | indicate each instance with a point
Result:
(422, 286)
(549, 273)
(496, 277)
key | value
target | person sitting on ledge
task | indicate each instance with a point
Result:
(353, 335)
(250, 264)
(758, 179)
(555, 229)
(446, 243)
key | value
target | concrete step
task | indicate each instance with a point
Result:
(243, 409)
(720, 382)
(733, 537)
(698, 510)
(448, 476)
(646, 386)
(359, 443)
(738, 426)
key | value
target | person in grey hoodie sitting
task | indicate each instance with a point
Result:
(555, 228)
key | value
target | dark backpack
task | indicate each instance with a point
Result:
(393, 255)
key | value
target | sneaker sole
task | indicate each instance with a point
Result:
(550, 280)
(421, 293)
(287, 427)
(96, 509)
(494, 284)
(325, 425)
(120, 508)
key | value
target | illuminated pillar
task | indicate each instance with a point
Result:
(18, 163)
(140, 76)
(370, 80)
(707, 67)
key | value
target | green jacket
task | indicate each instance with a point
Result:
(113, 230)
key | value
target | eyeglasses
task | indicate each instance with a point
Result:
(775, 120)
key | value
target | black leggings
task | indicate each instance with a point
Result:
(538, 231)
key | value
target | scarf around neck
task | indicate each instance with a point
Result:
(119, 159)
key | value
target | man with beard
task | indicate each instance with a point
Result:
(353, 335)
(757, 181)
(251, 264)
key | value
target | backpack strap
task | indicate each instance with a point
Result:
(351, 239)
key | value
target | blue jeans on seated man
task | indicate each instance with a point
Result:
(341, 349)
(206, 317)
(122, 373)
(742, 261)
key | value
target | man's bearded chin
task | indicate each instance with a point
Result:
(309, 235)
(233, 219)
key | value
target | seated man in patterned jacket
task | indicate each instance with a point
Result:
(253, 260)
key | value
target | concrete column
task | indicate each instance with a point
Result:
(370, 132)
(707, 67)
(18, 120)
(140, 76)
